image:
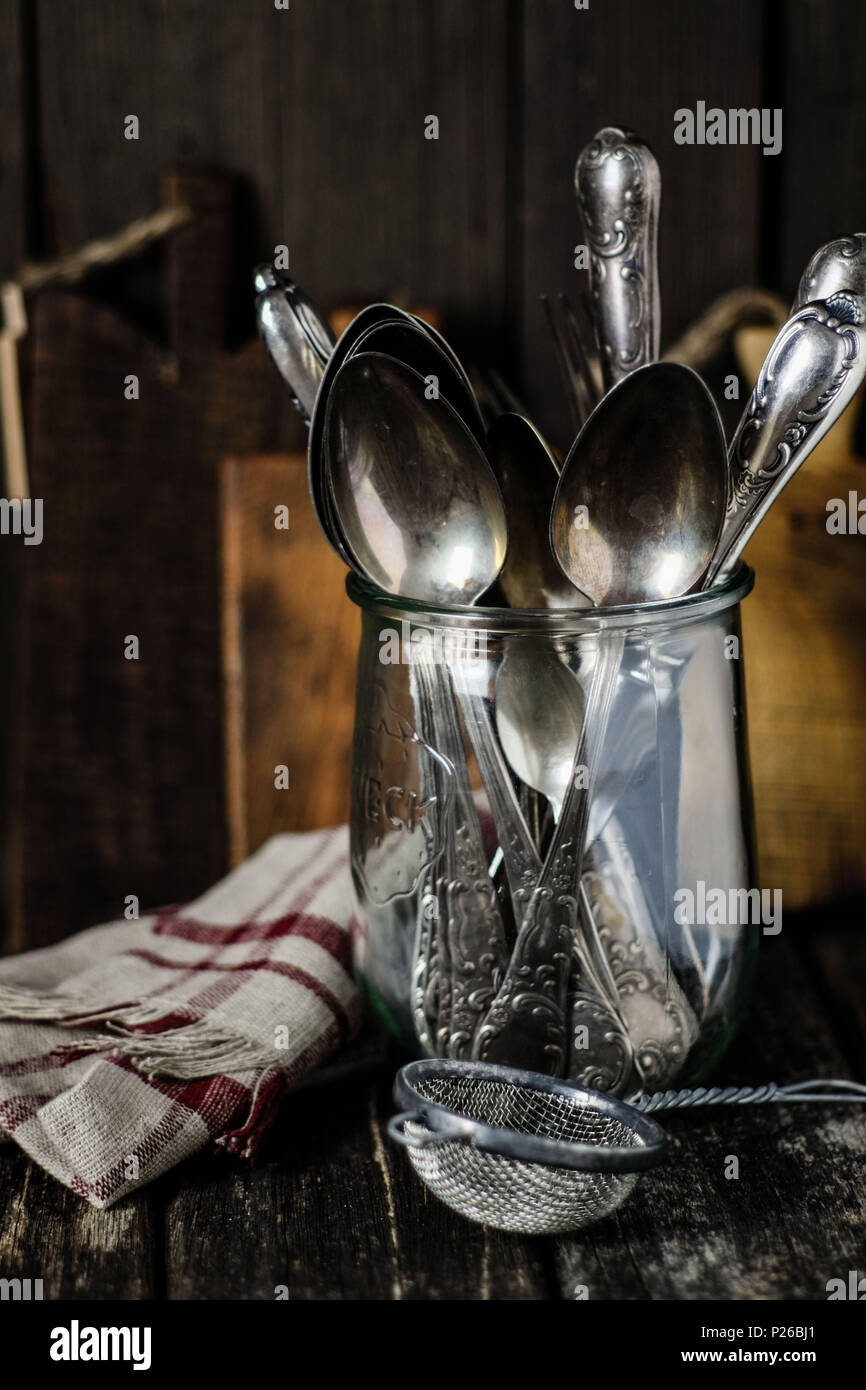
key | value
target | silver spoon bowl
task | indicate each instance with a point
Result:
(413, 493)
(409, 341)
(527, 475)
(641, 497)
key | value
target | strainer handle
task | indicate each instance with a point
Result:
(429, 1136)
(829, 1089)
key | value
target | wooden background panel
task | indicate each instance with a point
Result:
(321, 110)
(368, 203)
(321, 107)
(633, 62)
(823, 162)
(118, 765)
(202, 79)
(13, 132)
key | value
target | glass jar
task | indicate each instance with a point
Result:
(552, 834)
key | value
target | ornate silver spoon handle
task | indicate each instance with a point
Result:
(431, 981)
(811, 372)
(619, 189)
(837, 268)
(520, 856)
(659, 1018)
(296, 335)
(470, 931)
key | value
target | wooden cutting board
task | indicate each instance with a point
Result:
(116, 777)
(806, 674)
(290, 642)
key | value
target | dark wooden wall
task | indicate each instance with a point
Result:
(319, 112)
(321, 109)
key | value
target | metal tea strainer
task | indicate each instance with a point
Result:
(526, 1153)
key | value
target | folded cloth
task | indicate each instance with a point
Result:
(132, 1045)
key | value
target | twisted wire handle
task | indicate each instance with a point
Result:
(819, 1089)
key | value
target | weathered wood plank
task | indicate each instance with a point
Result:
(119, 763)
(200, 78)
(15, 58)
(49, 1233)
(321, 107)
(794, 1217)
(290, 639)
(823, 165)
(333, 1211)
(839, 961)
(633, 62)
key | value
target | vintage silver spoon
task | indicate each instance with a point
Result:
(444, 969)
(640, 499)
(297, 335)
(647, 473)
(413, 493)
(810, 375)
(539, 716)
(647, 470)
(527, 475)
(619, 189)
(531, 579)
(636, 514)
(409, 341)
(302, 348)
(423, 517)
(837, 268)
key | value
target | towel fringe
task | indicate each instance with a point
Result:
(246, 1141)
(192, 1049)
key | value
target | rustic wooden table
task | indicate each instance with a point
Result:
(333, 1211)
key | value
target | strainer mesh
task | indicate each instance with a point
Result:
(531, 1198)
(529, 1111)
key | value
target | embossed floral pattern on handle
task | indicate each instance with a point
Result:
(470, 939)
(838, 267)
(618, 188)
(551, 988)
(814, 367)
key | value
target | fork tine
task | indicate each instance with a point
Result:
(580, 333)
(584, 319)
(574, 392)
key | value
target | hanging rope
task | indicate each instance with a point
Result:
(130, 241)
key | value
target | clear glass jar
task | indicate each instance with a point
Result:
(490, 746)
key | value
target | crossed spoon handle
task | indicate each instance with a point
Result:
(470, 941)
(534, 1016)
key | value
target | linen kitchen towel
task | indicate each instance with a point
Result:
(128, 1047)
